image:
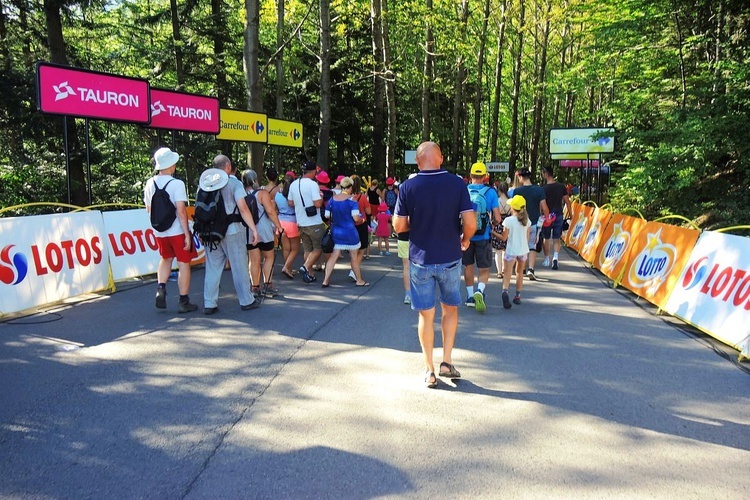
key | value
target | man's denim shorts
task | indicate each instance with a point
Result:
(425, 280)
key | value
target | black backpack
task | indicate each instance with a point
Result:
(210, 220)
(163, 211)
(252, 204)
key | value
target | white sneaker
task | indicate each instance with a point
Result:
(352, 276)
(546, 262)
(407, 299)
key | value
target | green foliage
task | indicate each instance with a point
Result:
(677, 93)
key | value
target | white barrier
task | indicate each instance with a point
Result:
(131, 240)
(47, 258)
(713, 292)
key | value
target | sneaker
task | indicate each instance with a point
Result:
(387, 254)
(554, 264)
(407, 299)
(517, 299)
(506, 301)
(530, 274)
(269, 290)
(252, 305)
(470, 302)
(479, 301)
(186, 307)
(352, 276)
(256, 292)
(210, 310)
(546, 262)
(161, 298)
(381, 253)
(306, 277)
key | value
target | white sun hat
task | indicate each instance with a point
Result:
(165, 158)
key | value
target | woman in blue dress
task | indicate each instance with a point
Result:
(343, 213)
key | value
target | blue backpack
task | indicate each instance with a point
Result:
(480, 208)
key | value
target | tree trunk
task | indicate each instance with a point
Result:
(4, 42)
(57, 50)
(324, 132)
(495, 125)
(539, 90)
(517, 89)
(427, 77)
(280, 60)
(458, 98)
(177, 39)
(390, 93)
(378, 120)
(252, 77)
(480, 72)
(220, 64)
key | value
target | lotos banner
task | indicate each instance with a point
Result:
(599, 221)
(48, 258)
(713, 291)
(579, 226)
(182, 111)
(656, 260)
(62, 90)
(616, 241)
(133, 249)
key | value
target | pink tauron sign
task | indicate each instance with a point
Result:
(89, 94)
(182, 111)
(579, 163)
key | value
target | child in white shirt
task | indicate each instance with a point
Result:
(516, 230)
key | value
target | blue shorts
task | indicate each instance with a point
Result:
(554, 230)
(425, 280)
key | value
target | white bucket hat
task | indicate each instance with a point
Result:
(165, 158)
(213, 179)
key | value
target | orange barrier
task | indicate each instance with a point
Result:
(615, 245)
(579, 226)
(599, 223)
(656, 260)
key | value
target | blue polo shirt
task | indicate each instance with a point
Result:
(433, 201)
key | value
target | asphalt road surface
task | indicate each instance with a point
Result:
(580, 392)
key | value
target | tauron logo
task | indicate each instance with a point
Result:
(12, 269)
(157, 108)
(62, 91)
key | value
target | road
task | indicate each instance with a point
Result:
(580, 392)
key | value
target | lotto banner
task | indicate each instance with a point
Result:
(713, 291)
(656, 260)
(579, 226)
(616, 241)
(599, 222)
(48, 258)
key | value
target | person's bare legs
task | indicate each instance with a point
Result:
(311, 259)
(163, 271)
(426, 331)
(268, 256)
(449, 325)
(519, 279)
(469, 275)
(508, 271)
(355, 263)
(294, 245)
(183, 277)
(253, 257)
(330, 265)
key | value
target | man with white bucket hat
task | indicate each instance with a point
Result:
(233, 246)
(175, 242)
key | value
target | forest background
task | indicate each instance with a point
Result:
(486, 79)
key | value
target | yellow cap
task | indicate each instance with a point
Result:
(518, 202)
(479, 168)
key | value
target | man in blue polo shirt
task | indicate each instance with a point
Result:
(435, 207)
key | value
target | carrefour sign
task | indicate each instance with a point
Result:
(284, 133)
(62, 90)
(236, 125)
(581, 140)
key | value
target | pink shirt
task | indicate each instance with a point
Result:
(383, 229)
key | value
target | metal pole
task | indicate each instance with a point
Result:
(88, 160)
(599, 181)
(67, 157)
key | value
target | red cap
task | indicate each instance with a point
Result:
(390, 181)
(291, 174)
